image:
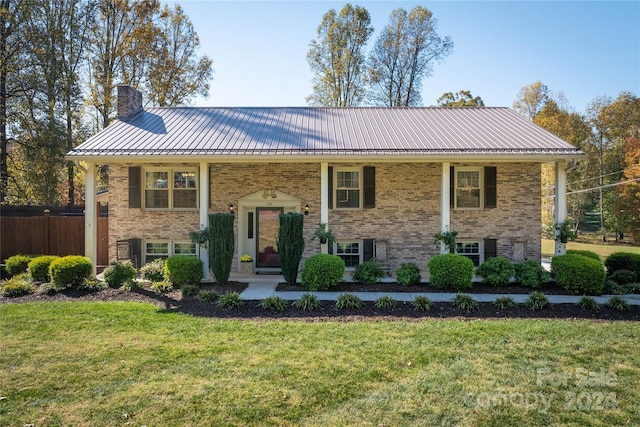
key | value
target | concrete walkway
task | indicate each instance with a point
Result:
(263, 286)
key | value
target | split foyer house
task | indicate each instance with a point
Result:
(385, 180)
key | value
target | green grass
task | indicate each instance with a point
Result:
(105, 364)
(604, 250)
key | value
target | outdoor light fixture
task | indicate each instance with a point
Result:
(306, 209)
(231, 208)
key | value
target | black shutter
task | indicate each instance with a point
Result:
(367, 249)
(452, 183)
(369, 181)
(490, 248)
(135, 184)
(490, 187)
(330, 182)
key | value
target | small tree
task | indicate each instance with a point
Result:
(221, 244)
(290, 245)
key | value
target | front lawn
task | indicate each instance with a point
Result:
(119, 363)
(602, 249)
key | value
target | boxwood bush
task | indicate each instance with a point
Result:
(183, 270)
(408, 274)
(579, 274)
(39, 267)
(18, 264)
(70, 270)
(588, 254)
(623, 261)
(369, 272)
(531, 273)
(451, 271)
(120, 273)
(322, 271)
(623, 277)
(496, 271)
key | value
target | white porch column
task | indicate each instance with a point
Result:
(445, 195)
(204, 215)
(324, 200)
(90, 216)
(560, 203)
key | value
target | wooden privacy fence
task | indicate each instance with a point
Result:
(50, 235)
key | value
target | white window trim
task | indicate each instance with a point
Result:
(360, 187)
(480, 249)
(170, 187)
(170, 246)
(360, 250)
(480, 171)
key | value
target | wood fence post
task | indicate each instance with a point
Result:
(46, 231)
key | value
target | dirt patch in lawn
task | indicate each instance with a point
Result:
(174, 302)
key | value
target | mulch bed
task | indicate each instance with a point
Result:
(478, 288)
(174, 302)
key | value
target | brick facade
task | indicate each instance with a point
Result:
(407, 211)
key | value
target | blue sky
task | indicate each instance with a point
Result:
(581, 48)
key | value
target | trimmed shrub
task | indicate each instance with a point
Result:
(464, 302)
(537, 301)
(408, 274)
(18, 264)
(308, 302)
(273, 303)
(347, 300)
(17, 286)
(496, 271)
(290, 245)
(189, 290)
(504, 303)
(421, 303)
(386, 301)
(183, 270)
(221, 243)
(70, 270)
(588, 254)
(530, 273)
(623, 261)
(369, 272)
(322, 271)
(39, 267)
(623, 277)
(451, 271)
(119, 273)
(578, 274)
(230, 300)
(161, 287)
(153, 271)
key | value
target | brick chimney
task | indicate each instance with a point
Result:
(129, 102)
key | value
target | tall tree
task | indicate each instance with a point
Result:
(403, 54)
(531, 99)
(177, 74)
(337, 57)
(123, 28)
(462, 98)
(627, 205)
(13, 14)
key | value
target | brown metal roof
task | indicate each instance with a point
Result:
(318, 131)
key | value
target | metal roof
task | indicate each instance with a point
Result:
(323, 131)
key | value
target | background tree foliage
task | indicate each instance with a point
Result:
(403, 54)
(60, 61)
(600, 185)
(462, 98)
(337, 57)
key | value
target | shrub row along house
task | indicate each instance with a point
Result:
(384, 180)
